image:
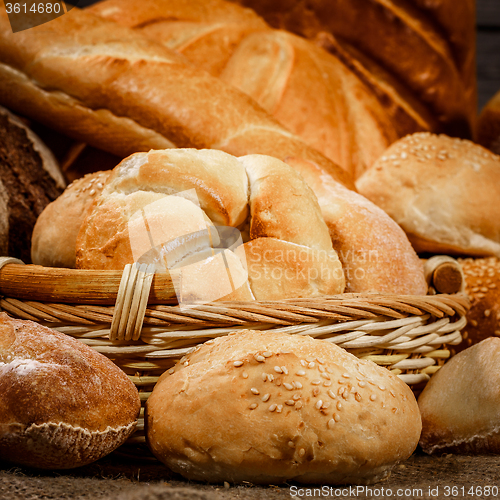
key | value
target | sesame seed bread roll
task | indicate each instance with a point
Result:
(62, 404)
(54, 235)
(268, 407)
(442, 191)
(460, 405)
(488, 125)
(482, 280)
(375, 252)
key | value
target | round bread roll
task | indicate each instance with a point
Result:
(169, 207)
(442, 191)
(62, 404)
(460, 405)
(54, 235)
(268, 407)
(375, 252)
(488, 125)
(30, 179)
(482, 279)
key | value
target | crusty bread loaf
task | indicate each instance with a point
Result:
(148, 212)
(62, 404)
(460, 406)
(309, 91)
(115, 89)
(443, 192)
(428, 46)
(488, 125)
(30, 179)
(375, 252)
(280, 407)
(482, 279)
(53, 242)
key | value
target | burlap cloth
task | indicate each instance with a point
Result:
(116, 478)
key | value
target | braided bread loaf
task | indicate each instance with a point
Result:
(119, 91)
(312, 93)
(148, 202)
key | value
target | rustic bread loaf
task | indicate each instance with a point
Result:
(375, 252)
(309, 91)
(53, 242)
(443, 192)
(488, 125)
(460, 405)
(62, 404)
(30, 179)
(482, 279)
(115, 89)
(170, 200)
(280, 407)
(428, 46)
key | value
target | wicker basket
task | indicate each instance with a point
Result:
(132, 318)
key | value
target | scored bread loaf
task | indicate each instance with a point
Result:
(62, 404)
(309, 91)
(280, 407)
(428, 46)
(170, 200)
(53, 243)
(488, 125)
(30, 178)
(115, 89)
(442, 191)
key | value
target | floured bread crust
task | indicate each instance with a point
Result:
(460, 405)
(62, 404)
(268, 407)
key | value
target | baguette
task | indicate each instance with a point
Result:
(108, 86)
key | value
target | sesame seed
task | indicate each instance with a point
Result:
(327, 383)
(296, 397)
(289, 387)
(325, 405)
(321, 361)
(279, 408)
(284, 370)
(186, 363)
(273, 407)
(297, 385)
(266, 398)
(267, 354)
(318, 404)
(244, 375)
(238, 363)
(331, 423)
(312, 364)
(336, 417)
(315, 391)
(325, 375)
(264, 377)
(255, 391)
(346, 375)
(321, 369)
(316, 382)
(339, 405)
(260, 359)
(330, 393)
(270, 377)
(253, 406)
(362, 384)
(172, 370)
(381, 387)
(358, 397)
(290, 402)
(92, 192)
(301, 373)
(341, 391)
(277, 369)
(298, 405)
(303, 362)
(291, 444)
(392, 394)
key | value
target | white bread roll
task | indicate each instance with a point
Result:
(267, 407)
(254, 191)
(442, 191)
(460, 405)
(374, 251)
(54, 236)
(62, 404)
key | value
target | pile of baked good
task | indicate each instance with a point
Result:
(258, 164)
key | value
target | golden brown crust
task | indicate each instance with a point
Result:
(63, 404)
(441, 191)
(54, 235)
(98, 82)
(460, 404)
(280, 407)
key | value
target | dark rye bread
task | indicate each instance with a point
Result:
(26, 186)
